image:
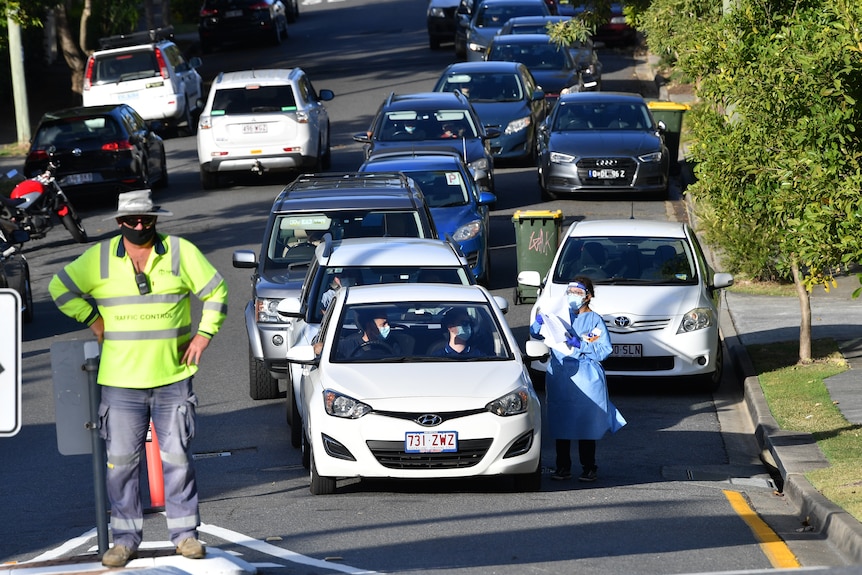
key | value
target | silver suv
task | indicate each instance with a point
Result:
(149, 72)
(348, 205)
(258, 121)
(360, 261)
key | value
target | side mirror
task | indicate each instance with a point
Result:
(722, 280)
(662, 127)
(289, 307)
(303, 354)
(530, 278)
(487, 198)
(502, 303)
(196, 62)
(362, 137)
(536, 351)
(325, 95)
(244, 259)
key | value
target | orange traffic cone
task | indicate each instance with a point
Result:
(154, 470)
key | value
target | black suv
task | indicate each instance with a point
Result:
(433, 121)
(235, 21)
(348, 205)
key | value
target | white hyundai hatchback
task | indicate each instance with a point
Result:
(402, 405)
(259, 121)
(655, 290)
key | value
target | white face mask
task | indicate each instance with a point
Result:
(384, 331)
(575, 301)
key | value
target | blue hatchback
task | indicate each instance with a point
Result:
(458, 206)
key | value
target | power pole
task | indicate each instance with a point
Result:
(19, 82)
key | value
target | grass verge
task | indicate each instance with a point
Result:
(799, 401)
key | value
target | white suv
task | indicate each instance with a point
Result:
(263, 120)
(149, 72)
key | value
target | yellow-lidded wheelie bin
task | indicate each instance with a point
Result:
(671, 113)
(537, 235)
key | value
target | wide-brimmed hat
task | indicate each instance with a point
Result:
(137, 203)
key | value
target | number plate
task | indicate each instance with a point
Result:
(125, 96)
(254, 128)
(607, 174)
(627, 350)
(430, 441)
(76, 179)
(233, 14)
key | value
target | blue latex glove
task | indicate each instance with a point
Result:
(540, 320)
(573, 341)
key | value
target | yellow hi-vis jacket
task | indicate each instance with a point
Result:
(143, 333)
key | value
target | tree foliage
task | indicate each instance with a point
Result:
(777, 132)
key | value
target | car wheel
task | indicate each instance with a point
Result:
(326, 162)
(320, 485)
(318, 165)
(163, 176)
(191, 127)
(209, 180)
(712, 381)
(434, 42)
(529, 482)
(293, 14)
(546, 195)
(27, 296)
(261, 384)
(276, 34)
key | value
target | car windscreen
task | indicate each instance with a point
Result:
(428, 331)
(634, 260)
(293, 237)
(442, 188)
(408, 126)
(253, 99)
(481, 87)
(601, 116)
(533, 56)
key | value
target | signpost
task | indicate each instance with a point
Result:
(10, 362)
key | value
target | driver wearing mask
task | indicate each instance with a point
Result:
(373, 340)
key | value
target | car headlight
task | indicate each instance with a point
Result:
(467, 231)
(650, 158)
(473, 46)
(517, 125)
(480, 165)
(696, 319)
(436, 12)
(560, 158)
(339, 405)
(265, 310)
(510, 404)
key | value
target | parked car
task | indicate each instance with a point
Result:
(243, 21)
(584, 53)
(98, 150)
(14, 269)
(400, 408)
(507, 98)
(616, 30)
(459, 207)
(440, 19)
(602, 142)
(359, 261)
(473, 33)
(268, 120)
(147, 71)
(655, 290)
(345, 205)
(421, 121)
(553, 67)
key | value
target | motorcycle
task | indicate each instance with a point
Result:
(33, 203)
(14, 269)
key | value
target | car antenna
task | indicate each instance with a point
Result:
(631, 217)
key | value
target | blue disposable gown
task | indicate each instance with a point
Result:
(576, 391)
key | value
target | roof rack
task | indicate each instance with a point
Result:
(350, 180)
(145, 37)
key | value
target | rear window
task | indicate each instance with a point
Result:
(74, 130)
(253, 99)
(114, 68)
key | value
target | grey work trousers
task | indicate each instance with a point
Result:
(124, 418)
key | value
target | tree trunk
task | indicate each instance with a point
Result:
(71, 53)
(804, 314)
(149, 20)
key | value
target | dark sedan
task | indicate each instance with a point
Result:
(553, 67)
(99, 149)
(602, 141)
(506, 97)
(233, 21)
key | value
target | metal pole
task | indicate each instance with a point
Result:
(91, 365)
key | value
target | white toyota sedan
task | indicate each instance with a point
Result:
(655, 290)
(445, 394)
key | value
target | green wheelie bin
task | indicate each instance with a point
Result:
(537, 235)
(671, 113)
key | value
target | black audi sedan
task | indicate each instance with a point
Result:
(99, 150)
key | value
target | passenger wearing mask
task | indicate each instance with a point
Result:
(579, 341)
(460, 336)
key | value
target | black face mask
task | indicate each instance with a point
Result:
(138, 237)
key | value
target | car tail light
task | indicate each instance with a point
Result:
(163, 68)
(208, 12)
(118, 146)
(259, 6)
(37, 156)
(88, 75)
(301, 117)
